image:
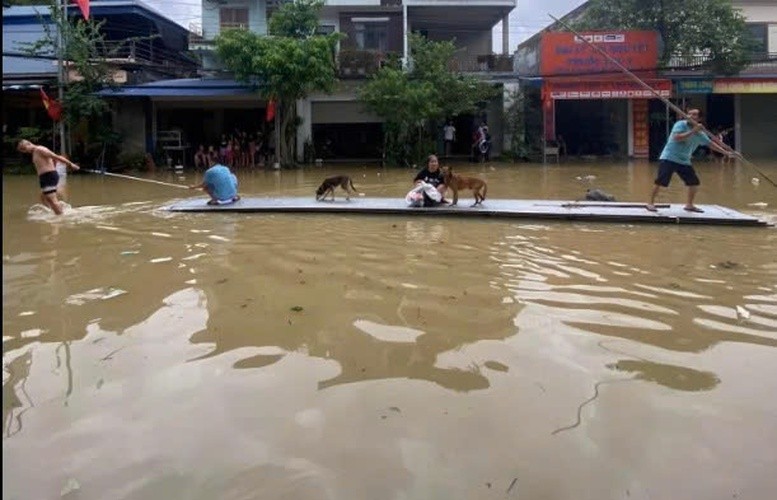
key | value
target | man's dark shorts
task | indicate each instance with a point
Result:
(686, 172)
(49, 181)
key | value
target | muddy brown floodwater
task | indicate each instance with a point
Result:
(152, 355)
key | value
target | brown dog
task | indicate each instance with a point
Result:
(328, 187)
(456, 182)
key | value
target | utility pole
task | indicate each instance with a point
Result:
(278, 160)
(61, 73)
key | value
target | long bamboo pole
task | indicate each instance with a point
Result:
(666, 101)
(61, 72)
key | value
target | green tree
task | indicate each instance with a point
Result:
(85, 52)
(455, 93)
(515, 125)
(296, 19)
(413, 102)
(288, 64)
(709, 28)
(9, 3)
(405, 104)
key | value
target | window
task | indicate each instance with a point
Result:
(758, 34)
(371, 34)
(233, 17)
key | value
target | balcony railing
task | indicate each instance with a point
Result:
(363, 63)
(142, 52)
(757, 60)
(485, 63)
(232, 26)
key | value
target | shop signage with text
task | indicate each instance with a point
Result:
(694, 87)
(746, 86)
(639, 117)
(596, 89)
(563, 53)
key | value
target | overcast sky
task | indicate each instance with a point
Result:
(528, 18)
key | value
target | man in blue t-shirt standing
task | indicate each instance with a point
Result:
(220, 184)
(686, 136)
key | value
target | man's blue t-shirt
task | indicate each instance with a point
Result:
(221, 182)
(681, 151)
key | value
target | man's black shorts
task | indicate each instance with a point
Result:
(686, 172)
(49, 181)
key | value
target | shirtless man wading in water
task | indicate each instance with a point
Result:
(44, 159)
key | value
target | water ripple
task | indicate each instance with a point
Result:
(543, 277)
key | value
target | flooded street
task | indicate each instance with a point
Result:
(153, 355)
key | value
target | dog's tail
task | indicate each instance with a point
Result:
(485, 189)
(352, 186)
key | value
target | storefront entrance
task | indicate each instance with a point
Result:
(593, 127)
(204, 126)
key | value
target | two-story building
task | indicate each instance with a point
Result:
(141, 45)
(746, 102)
(336, 124)
(594, 119)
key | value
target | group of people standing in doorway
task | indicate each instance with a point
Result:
(237, 150)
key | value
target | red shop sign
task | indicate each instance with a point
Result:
(563, 53)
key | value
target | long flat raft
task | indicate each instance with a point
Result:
(499, 208)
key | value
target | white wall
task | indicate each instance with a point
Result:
(257, 16)
(773, 38)
(764, 12)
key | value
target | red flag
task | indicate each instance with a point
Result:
(53, 107)
(84, 6)
(270, 112)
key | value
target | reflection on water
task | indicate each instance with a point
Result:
(663, 315)
(16, 400)
(260, 356)
(674, 377)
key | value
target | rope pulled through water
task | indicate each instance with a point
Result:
(141, 179)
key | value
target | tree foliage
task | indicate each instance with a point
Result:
(288, 64)
(412, 102)
(297, 19)
(709, 28)
(405, 104)
(9, 3)
(84, 51)
(522, 115)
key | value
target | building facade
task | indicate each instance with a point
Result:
(601, 112)
(141, 45)
(747, 102)
(337, 125)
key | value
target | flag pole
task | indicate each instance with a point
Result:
(61, 73)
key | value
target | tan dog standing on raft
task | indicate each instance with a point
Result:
(43, 159)
(330, 184)
(455, 182)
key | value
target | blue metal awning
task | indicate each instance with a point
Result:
(184, 88)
